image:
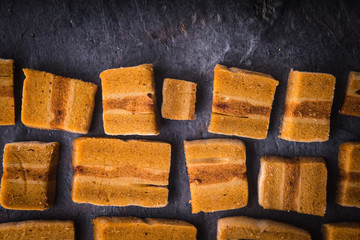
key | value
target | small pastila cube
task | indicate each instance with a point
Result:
(120, 173)
(297, 184)
(217, 174)
(308, 103)
(29, 179)
(348, 189)
(242, 102)
(38, 229)
(133, 228)
(351, 105)
(341, 231)
(129, 101)
(57, 103)
(251, 228)
(7, 109)
(179, 99)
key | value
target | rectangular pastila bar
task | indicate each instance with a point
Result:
(341, 231)
(250, 228)
(242, 102)
(133, 228)
(7, 106)
(38, 229)
(29, 178)
(217, 174)
(120, 173)
(296, 184)
(351, 105)
(308, 103)
(57, 103)
(129, 101)
(348, 188)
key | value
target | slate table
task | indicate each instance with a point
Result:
(185, 39)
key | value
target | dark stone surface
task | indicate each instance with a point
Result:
(185, 39)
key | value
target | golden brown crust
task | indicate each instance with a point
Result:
(6, 91)
(133, 104)
(351, 106)
(121, 172)
(292, 178)
(238, 108)
(214, 173)
(59, 101)
(30, 174)
(309, 109)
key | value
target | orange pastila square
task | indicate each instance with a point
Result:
(179, 99)
(57, 103)
(308, 103)
(29, 179)
(133, 228)
(129, 101)
(7, 105)
(348, 187)
(351, 105)
(217, 174)
(242, 102)
(293, 184)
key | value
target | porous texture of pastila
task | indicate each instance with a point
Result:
(179, 99)
(57, 103)
(242, 102)
(217, 174)
(129, 101)
(29, 175)
(114, 172)
(133, 228)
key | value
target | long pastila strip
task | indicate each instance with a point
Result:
(348, 187)
(341, 231)
(120, 173)
(38, 229)
(250, 228)
(7, 105)
(133, 228)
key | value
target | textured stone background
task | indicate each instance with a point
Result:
(185, 39)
